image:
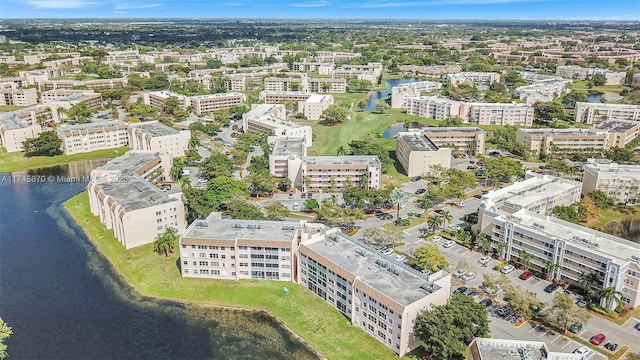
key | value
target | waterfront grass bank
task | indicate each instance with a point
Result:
(311, 318)
(16, 161)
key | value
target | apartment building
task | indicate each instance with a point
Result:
(418, 154)
(319, 173)
(510, 349)
(369, 76)
(545, 90)
(278, 97)
(20, 125)
(433, 107)
(323, 85)
(549, 140)
(537, 193)
(93, 136)
(232, 249)
(18, 97)
(574, 248)
(436, 70)
(157, 137)
(123, 194)
(284, 84)
(314, 106)
(157, 98)
(621, 132)
(286, 156)
(37, 77)
(67, 98)
(204, 104)
(473, 78)
(576, 72)
(271, 118)
(335, 56)
(377, 295)
(90, 84)
(620, 182)
(38, 58)
(594, 113)
(400, 93)
(320, 68)
(464, 139)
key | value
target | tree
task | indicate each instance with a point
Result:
(446, 330)
(46, 144)
(601, 199)
(424, 203)
(276, 211)
(500, 246)
(385, 236)
(79, 112)
(381, 107)
(550, 268)
(362, 104)
(398, 197)
(566, 213)
(563, 312)
(341, 150)
(333, 115)
(5, 332)
(261, 182)
(547, 112)
(433, 222)
(239, 207)
(483, 242)
(429, 257)
(370, 147)
(446, 217)
(520, 301)
(311, 204)
(284, 184)
(620, 155)
(587, 279)
(599, 79)
(166, 241)
(610, 298)
(215, 165)
(495, 283)
(570, 99)
(525, 258)
(333, 214)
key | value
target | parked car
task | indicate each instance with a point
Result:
(303, 196)
(468, 276)
(459, 204)
(507, 269)
(486, 302)
(296, 206)
(291, 196)
(637, 326)
(584, 302)
(421, 191)
(436, 239)
(471, 167)
(461, 289)
(597, 339)
(455, 227)
(387, 252)
(165, 187)
(449, 243)
(459, 273)
(525, 275)
(575, 328)
(417, 178)
(611, 346)
(469, 292)
(400, 258)
(309, 196)
(582, 350)
(484, 259)
(551, 287)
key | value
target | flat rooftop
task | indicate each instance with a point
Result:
(135, 193)
(605, 165)
(529, 191)
(617, 125)
(503, 349)
(155, 129)
(128, 163)
(402, 284)
(608, 106)
(318, 98)
(90, 126)
(579, 236)
(302, 93)
(417, 141)
(341, 160)
(570, 131)
(164, 94)
(476, 130)
(288, 145)
(12, 121)
(214, 96)
(215, 228)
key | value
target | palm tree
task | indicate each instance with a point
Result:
(464, 235)
(433, 222)
(424, 203)
(607, 297)
(364, 181)
(550, 268)
(446, 217)
(500, 246)
(349, 181)
(165, 242)
(586, 279)
(525, 258)
(341, 150)
(194, 142)
(483, 242)
(307, 181)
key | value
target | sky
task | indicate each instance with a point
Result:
(371, 9)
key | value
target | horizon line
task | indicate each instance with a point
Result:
(312, 18)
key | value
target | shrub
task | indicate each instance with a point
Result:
(602, 311)
(500, 266)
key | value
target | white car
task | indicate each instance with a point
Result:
(387, 252)
(507, 269)
(485, 259)
(296, 206)
(449, 243)
(468, 276)
(455, 227)
(436, 239)
(401, 258)
(582, 350)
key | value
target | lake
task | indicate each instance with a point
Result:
(373, 97)
(63, 300)
(628, 228)
(596, 96)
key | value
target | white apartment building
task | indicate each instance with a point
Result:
(543, 90)
(511, 349)
(18, 97)
(433, 107)
(335, 56)
(20, 125)
(285, 84)
(473, 78)
(574, 248)
(318, 173)
(204, 104)
(157, 98)
(620, 182)
(594, 113)
(93, 136)
(286, 156)
(67, 98)
(156, 137)
(467, 139)
(320, 68)
(400, 93)
(314, 106)
(376, 294)
(90, 84)
(306, 84)
(123, 194)
(436, 70)
(548, 140)
(271, 118)
(318, 85)
(576, 72)
(278, 97)
(418, 154)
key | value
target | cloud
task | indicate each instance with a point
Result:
(320, 3)
(60, 4)
(132, 6)
(391, 4)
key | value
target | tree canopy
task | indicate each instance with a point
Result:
(333, 115)
(429, 257)
(563, 312)
(5, 332)
(217, 164)
(46, 144)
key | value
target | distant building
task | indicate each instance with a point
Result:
(400, 93)
(123, 194)
(278, 97)
(473, 78)
(465, 139)
(93, 136)
(67, 98)
(510, 349)
(620, 182)
(431, 70)
(418, 154)
(314, 106)
(157, 137)
(205, 104)
(551, 140)
(594, 113)
(20, 125)
(18, 97)
(271, 118)
(576, 72)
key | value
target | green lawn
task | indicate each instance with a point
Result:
(321, 325)
(16, 161)
(613, 214)
(582, 85)
(4, 108)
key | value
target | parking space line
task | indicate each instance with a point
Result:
(534, 328)
(565, 345)
(554, 339)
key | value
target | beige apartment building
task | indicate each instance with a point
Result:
(376, 294)
(318, 173)
(67, 98)
(91, 84)
(418, 154)
(546, 141)
(204, 104)
(436, 70)
(314, 106)
(466, 139)
(320, 68)
(318, 85)
(366, 75)
(576, 72)
(284, 84)
(433, 107)
(621, 132)
(574, 248)
(278, 97)
(123, 194)
(18, 97)
(20, 125)
(286, 156)
(157, 98)
(510, 349)
(335, 56)
(620, 182)
(400, 93)
(156, 137)
(594, 113)
(473, 78)
(93, 136)
(271, 118)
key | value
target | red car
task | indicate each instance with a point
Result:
(525, 275)
(597, 339)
